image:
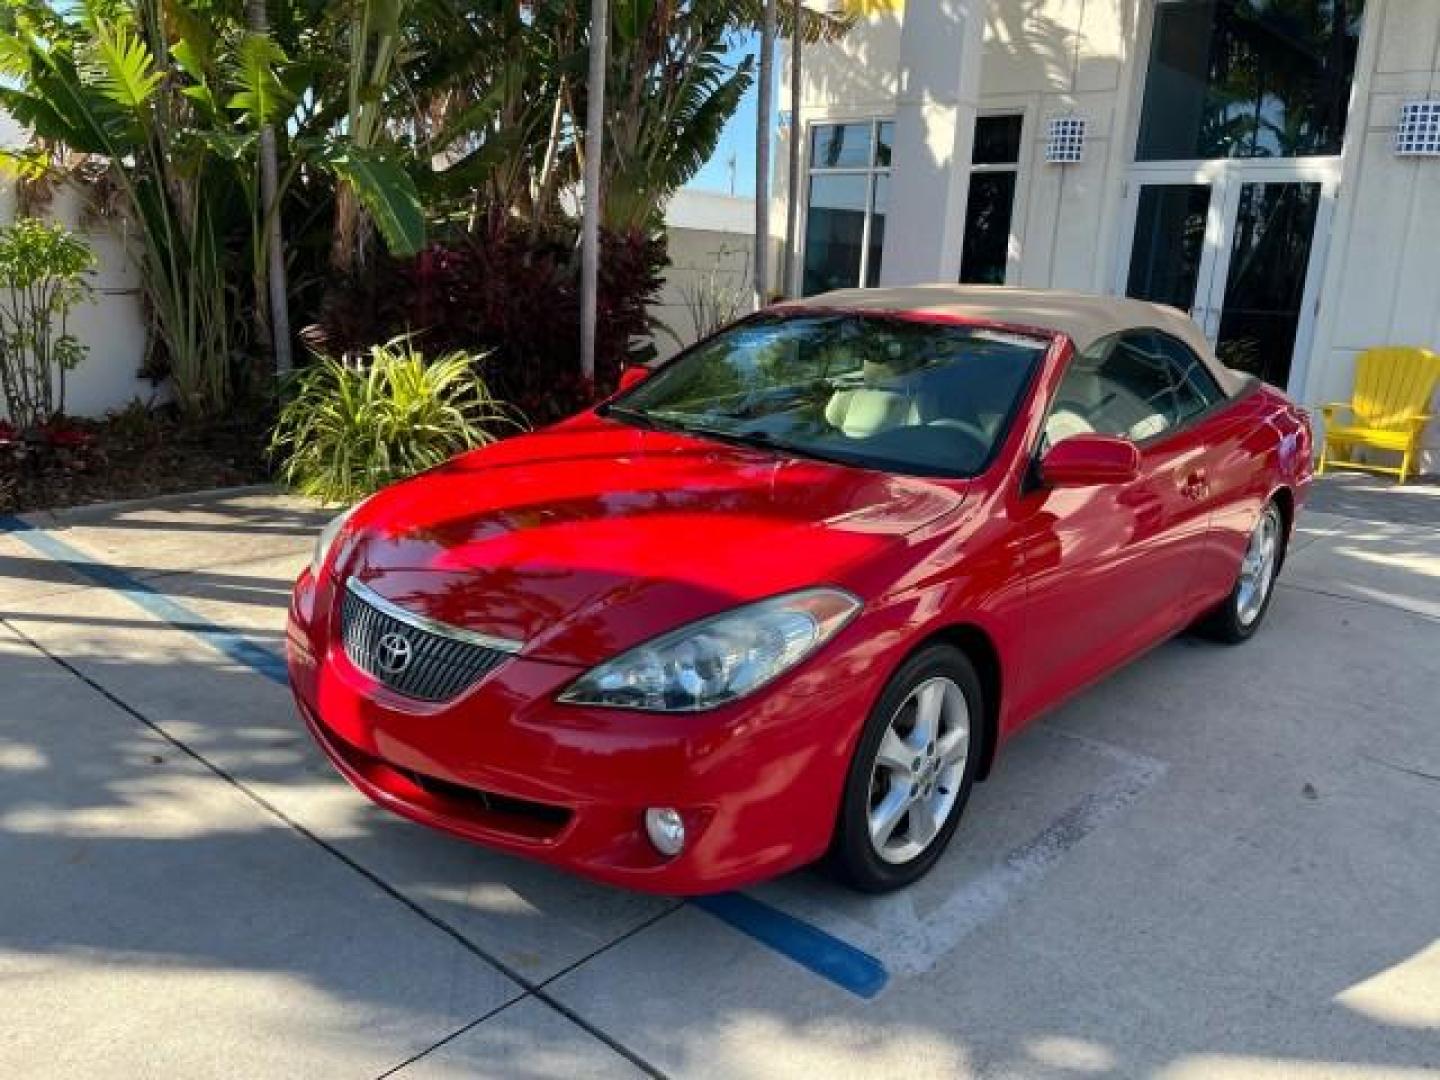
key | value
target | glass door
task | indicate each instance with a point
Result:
(1258, 298)
(1235, 245)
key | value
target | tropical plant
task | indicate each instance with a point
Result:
(170, 102)
(674, 90)
(511, 289)
(44, 273)
(390, 119)
(91, 86)
(500, 100)
(347, 430)
(373, 31)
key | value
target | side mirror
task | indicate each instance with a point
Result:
(1088, 460)
(631, 374)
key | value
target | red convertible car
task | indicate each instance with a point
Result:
(785, 598)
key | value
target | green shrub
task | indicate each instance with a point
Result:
(347, 431)
(44, 273)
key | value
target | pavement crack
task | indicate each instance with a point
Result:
(1406, 769)
(638, 928)
(1359, 600)
(457, 1033)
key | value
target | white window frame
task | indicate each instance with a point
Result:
(870, 171)
(1012, 254)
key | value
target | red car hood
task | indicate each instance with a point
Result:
(590, 537)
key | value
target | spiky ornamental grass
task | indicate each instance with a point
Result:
(348, 429)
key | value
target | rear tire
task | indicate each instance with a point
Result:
(911, 774)
(1237, 618)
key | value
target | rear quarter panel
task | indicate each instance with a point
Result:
(1263, 447)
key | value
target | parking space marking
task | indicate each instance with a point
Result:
(227, 642)
(831, 958)
(807, 945)
(900, 939)
(910, 942)
(858, 957)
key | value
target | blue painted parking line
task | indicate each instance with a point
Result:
(807, 945)
(224, 641)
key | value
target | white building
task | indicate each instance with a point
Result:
(1236, 158)
(710, 239)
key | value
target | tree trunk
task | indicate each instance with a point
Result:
(348, 239)
(257, 20)
(762, 156)
(792, 192)
(590, 224)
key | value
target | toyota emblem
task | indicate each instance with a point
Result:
(393, 654)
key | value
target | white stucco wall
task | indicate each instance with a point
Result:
(710, 237)
(1380, 280)
(111, 324)
(1042, 58)
(1382, 277)
(855, 78)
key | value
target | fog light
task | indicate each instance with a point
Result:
(666, 829)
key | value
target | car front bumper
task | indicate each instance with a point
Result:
(504, 765)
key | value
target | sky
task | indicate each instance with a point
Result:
(738, 137)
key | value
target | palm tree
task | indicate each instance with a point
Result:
(594, 140)
(792, 169)
(257, 20)
(171, 107)
(763, 111)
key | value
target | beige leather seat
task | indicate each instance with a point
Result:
(1064, 422)
(878, 405)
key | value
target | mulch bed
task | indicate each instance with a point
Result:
(127, 457)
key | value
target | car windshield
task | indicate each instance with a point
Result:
(897, 394)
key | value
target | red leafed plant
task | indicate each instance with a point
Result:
(64, 435)
(511, 292)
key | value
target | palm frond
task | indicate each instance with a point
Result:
(263, 98)
(122, 66)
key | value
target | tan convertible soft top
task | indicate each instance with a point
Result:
(1083, 317)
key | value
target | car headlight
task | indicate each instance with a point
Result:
(326, 540)
(718, 659)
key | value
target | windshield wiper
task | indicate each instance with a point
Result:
(761, 440)
(635, 417)
(742, 438)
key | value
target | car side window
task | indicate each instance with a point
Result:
(1196, 388)
(1136, 385)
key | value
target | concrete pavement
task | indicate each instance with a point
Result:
(1220, 862)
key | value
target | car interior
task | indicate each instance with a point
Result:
(1135, 385)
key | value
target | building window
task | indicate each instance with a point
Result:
(994, 171)
(845, 216)
(1248, 78)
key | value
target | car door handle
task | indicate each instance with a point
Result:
(1195, 486)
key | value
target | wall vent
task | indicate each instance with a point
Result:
(1418, 134)
(1065, 140)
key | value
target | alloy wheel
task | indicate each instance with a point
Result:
(1257, 568)
(919, 765)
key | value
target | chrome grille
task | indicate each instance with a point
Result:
(440, 663)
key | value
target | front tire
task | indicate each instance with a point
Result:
(1241, 613)
(912, 772)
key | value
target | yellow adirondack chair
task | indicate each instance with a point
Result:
(1388, 410)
